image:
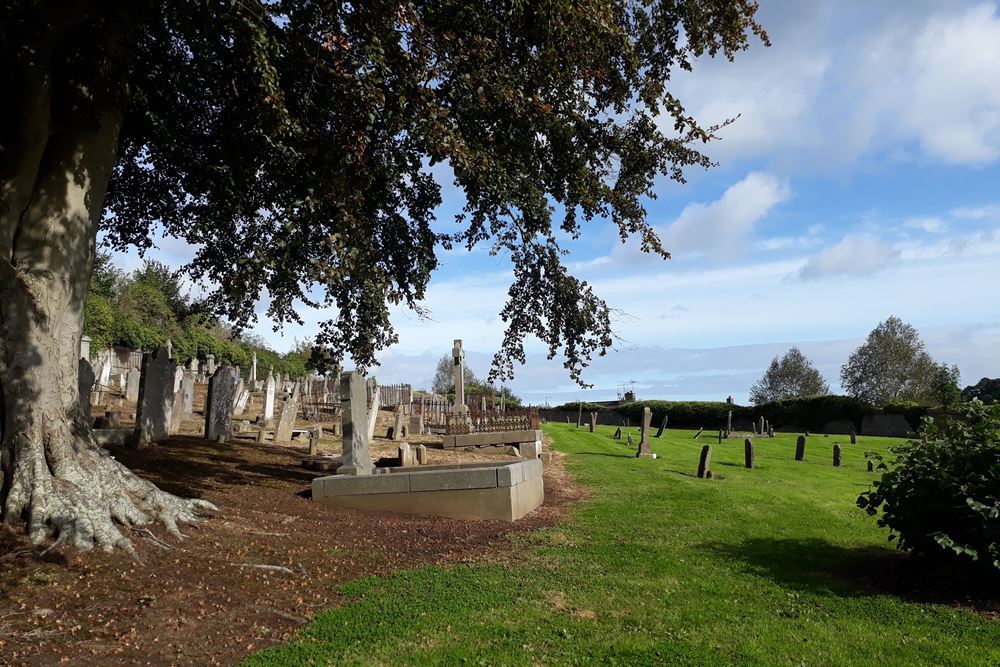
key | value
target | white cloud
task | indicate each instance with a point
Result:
(855, 255)
(931, 224)
(724, 225)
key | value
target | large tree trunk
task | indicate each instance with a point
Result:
(55, 478)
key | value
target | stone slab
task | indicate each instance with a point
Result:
(483, 439)
(448, 480)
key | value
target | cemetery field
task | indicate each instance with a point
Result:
(769, 566)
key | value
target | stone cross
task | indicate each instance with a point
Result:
(644, 451)
(458, 356)
(354, 420)
(219, 404)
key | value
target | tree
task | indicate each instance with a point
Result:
(891, 365)
(294, 144)
(791, 376)
(986, 390)
(444, 375)
(943, 385)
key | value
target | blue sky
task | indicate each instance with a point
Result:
(859, 181)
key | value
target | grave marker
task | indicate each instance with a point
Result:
(705, 461)
(663, 425)
(800, 448)
(219, 404)
(156, 397)
(354, 421)
(837, 453)
(748, 455)
(644, 452)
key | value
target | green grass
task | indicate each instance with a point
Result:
(760, 567)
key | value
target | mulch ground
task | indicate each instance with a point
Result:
(202, 601)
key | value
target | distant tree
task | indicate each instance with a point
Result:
(167, 281)
(106, 277)
(791, 376)
(444, 376)
(986, 390)
(943, 389)
(891, 365)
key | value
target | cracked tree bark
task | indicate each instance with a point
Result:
(59, 147)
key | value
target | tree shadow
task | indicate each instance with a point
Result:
(821, 567)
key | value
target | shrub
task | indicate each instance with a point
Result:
(940, 495)
(814, 413)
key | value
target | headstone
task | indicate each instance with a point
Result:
(261, 435)
(761, 429)
(397, 433)
(354, 420)
(86, 383)
(729, 421)
(663, 426)
(187, 388)
(156, 396)
(458, 358)
(748, 457)
(854, 437)
(193, 365)
(85, 349)
(593, 421)
(286, 418)
(644, 451)
(406, 455)
(219, 404)
(837, 454)
(800, 448)
(871, 466)
(698, 434)
(770, 431)
(112, 419)
(720, 436)
(579, 414)
(209, 364)
(178, 379)
(170, 349)
(373, 409)
(132, 381)
(618, 433)
(705, 461)
(253, 368)
(177, 411)
(269, 388)
(628, 437)
(421, 454)
(241, 402)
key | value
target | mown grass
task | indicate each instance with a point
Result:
(768, 566)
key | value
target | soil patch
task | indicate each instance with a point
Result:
(204, 601)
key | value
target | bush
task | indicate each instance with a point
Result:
(686, 414)
(940, 495)
(814, 413)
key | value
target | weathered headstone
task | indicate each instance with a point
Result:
(209, 364)
(761, 429)
(156, 396)
(187, 388)
(397, 432)
(705, 461)
(720, 436)
(618, 433)
(286, 418)
(770, 431)
(837, 454)
(269, 389)
(593, 421)
(406, 455)
(644, 451)
(241, 402)
(698, 434)
(871, 466)
(354, 421)
(800, 448)
(748, 456)
(132, 381)
(85, 348)
(219, 404)
(86, 385)
(628, 437)
(177, 411)
(458, 359)
(663, 425)
(854, 437)
(420, 451)
(729, 421)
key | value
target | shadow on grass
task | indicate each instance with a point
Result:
(614, 456)
(821, 567)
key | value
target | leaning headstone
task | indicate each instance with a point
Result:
(132, 382)
(748, 456)
(644, 451)
(705, 461)
(593, 421)
(397, 432)
(156, 396)
(663, 425)
(286, 418)
(618, 433)
(800, 448)
(241, 402)
(837, 453)
(269, 388)
(219, 404)
(86, 379)
(698, 434)
(354, 420)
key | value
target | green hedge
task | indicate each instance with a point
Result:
(686, 414)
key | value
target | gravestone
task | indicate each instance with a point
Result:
(644, 451)
(579, 414)
(187, 388)
(720, 436)
(705, 461)
(698, 434)
(397, 431)
(406, 455)
(761, 430)
(871, 466)
(178, 379)
(132, 381)
(854, 437)
(618, 433)
(85, 348)
(241, 402)
(770, 431)
(209, 365)
(628, 437)
(800, 448)
(156, 396)
(177, 411)
(86, 384)
(748, 457)
(837, 454)
(219, 404)
(593, 421)
(269, 388)
(421, 454)
(354, 425)
(729, 421)
(458, 359)
(663, 425)
(253, 368)
(286, 418)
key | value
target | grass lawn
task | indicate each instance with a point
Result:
(768, 566)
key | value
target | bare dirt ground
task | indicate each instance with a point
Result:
(203, 601)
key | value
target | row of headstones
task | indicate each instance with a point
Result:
(749, 455)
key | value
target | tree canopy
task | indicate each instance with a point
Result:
(790, 376)
(891, 365)
(297, 144)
